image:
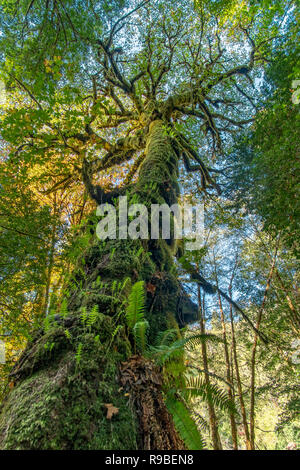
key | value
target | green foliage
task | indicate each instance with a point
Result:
(136, 304)
(135, 312)
(169, 352)
(92, 316)
(140, 335)
(78, 353)
(68, 334)
(184, 423)
(25, 234)
(84, 315)
(197, 387)
(266, 173)
(165, 352)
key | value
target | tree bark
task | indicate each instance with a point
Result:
(253, 355)
(228, 377)
(227, 360)
(216, 441)
(239, 385)
(50, 261)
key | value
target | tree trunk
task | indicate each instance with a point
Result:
(294, 314)
(228, 377)
(253, 355)
(50, 261)
(227, 360)
(239, 385)
(213, 422)
(77, 384)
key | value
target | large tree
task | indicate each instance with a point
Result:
(160, 86)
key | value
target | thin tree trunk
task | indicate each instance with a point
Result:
(227, 360)
(50, 260)
(295, 319)
(216, 441)
(239, 386)
(237, 371)
(253, 355)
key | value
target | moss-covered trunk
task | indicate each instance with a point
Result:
(78, 384)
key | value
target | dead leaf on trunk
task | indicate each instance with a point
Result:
(111, 410)
(151, 288)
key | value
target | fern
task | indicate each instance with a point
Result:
(135, 312)
(184, 424)
(112, 253)
(191, 342)
(125, 283)
(83, 315)
(196, 387)
(200, 421)
(140, 252)
(136, 305)
(64, 308)
(92, 316)
(78, 353)
(47, 323)
(139, 333)
(167, 337)
(165, 352)
(116, 330)
(114, 287)
(68, 334)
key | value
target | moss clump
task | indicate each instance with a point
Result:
(62, 405)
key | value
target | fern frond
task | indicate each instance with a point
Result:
(92, 316)
(164, 352)
(136, 305)
(196, 387)
(114, 287)
(200, 421)
(139, 333)
(68, 334)
(83, 315)
(194, 340)
(78, 353)
(116, 330)
(184, 424)
(125, 283)
(64, 308)
(166, 337)
(211, 374)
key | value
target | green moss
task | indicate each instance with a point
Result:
(62, 405)
(159, 171)
(45, 348)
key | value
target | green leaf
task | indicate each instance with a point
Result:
(185, 424)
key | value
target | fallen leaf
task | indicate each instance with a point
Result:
(151, 288)
(111, 410)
